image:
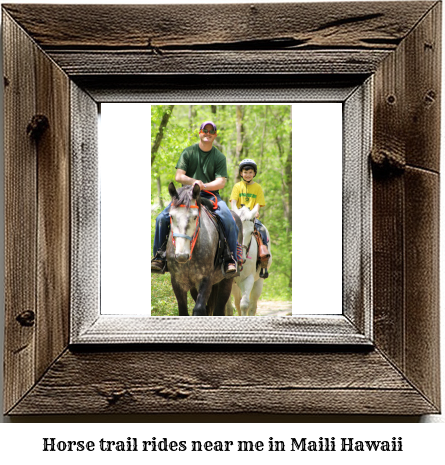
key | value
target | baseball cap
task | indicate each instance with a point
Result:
(203, 125)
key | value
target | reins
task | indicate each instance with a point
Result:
(194, 238)
(215, 203)
(250, 242)
(248, 248)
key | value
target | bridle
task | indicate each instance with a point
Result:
(250, 242)
(193, 238)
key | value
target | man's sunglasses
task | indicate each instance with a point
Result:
(208, 131)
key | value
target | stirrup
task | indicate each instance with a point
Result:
(232, 274)
(163, 269)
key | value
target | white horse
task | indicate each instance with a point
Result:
(247, 287)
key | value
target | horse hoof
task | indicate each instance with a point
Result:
(199, 313)
(264, 274)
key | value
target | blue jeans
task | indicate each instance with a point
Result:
(230, 228)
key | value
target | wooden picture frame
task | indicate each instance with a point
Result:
(98, 53)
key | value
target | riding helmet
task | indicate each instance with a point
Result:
(249, 164)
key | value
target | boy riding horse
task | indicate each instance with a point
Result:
(249, 193)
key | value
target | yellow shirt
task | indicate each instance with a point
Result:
(247, 194)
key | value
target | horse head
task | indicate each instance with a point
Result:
(185, 212)
(247, 217)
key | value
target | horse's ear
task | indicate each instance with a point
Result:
(172, 190)
(196, 191)
(255, 209)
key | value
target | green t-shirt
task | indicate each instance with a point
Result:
(204, 166)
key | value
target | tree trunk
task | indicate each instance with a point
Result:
(259, 161)
(284, 182)
(160, 133)
(239, 140)
(158, 183)
(192, 116)
(289, 176)
(289, 186)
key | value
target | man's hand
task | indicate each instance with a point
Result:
(200, 184)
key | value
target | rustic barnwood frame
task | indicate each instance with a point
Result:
(102, 51)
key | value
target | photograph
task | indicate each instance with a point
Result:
(238, 156)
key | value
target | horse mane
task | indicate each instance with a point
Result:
(207, 203)
(185, 196)
(244, 213)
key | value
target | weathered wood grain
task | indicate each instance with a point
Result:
(407, 106)
(388, 268)
(422, 323)
(223, 382)
(37, 217)
(20, 213)
(100, 63)
(153, 27)
(388, 155)
(423, 92)
(406, 250)
(53, 199)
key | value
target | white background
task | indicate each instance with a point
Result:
(125, 185)
(22, 443)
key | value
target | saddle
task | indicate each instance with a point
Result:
(223, 254)
(263, 254)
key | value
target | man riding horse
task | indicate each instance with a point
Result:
(204, 165)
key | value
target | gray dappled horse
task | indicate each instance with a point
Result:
(191, 250)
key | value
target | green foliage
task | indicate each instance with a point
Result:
(165, 302)
(264, 133)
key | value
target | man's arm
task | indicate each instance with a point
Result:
(215, 185)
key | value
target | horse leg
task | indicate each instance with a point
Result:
(211, 301)
(181, 297)
(229, 307)
(246, 287)
(237, 296)
(204, 291)
(223, 288)
(254, 296)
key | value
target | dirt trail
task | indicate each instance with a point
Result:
(274, 308)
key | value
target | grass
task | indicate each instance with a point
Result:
(163, 300)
